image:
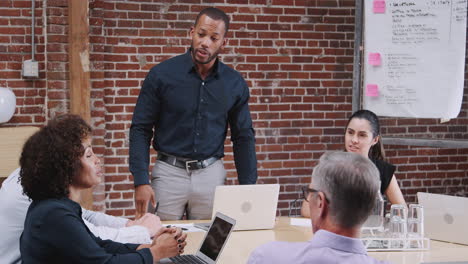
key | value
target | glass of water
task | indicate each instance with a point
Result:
(398, 225)
(416, 225)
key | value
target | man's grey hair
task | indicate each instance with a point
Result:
(350, 182)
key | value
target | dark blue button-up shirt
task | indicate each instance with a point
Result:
(188, 117)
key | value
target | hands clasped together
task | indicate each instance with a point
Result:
(167, 242)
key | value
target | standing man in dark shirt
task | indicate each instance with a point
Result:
(188, 101)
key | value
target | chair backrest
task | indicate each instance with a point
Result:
(12, 140)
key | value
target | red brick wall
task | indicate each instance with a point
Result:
(297, 57)
(15, 47)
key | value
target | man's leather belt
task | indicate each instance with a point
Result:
(186, 164)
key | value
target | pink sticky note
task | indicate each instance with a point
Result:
(379, 6)
(372, 90)
(374, 59)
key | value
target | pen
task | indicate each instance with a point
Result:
(156, 209)
(183, 228)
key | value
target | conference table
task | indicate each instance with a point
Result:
(242, 243)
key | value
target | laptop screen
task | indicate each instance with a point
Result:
(215, 238)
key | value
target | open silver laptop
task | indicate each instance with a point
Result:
(445, 217)
(253, 206)
(213, 242)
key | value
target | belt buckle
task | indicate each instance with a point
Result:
(187, 164)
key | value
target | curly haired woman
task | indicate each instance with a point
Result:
(57, 163)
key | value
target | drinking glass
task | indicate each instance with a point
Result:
(399, 210)
(398, 226)
(416, 212)
(416, 225)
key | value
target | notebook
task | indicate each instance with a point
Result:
(445, 217)
(213, 242)
(253, 206)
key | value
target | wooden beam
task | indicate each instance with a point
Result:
(357, 69)
(78, 55)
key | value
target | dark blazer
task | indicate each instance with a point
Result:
(54, 232)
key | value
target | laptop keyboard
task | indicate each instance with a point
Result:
(187, 259)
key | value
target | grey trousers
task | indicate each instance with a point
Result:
(178, 191)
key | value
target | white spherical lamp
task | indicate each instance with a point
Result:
(7, 104)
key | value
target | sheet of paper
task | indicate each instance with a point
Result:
(374, 59)
(372, 90)
(379, 6)
(300, 222)
(422, 48)
(185, 227)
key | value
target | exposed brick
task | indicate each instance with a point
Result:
(297, 60)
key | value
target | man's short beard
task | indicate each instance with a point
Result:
(212, 57)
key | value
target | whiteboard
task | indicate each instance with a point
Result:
(414, 57)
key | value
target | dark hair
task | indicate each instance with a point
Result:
(215, 14)
(50, 159)
(376, 151)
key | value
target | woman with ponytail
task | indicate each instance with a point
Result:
(362, 136)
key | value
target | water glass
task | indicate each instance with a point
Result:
(398, 225)
(415, 225)
(398, 231)
(416, 212)
(399, 210)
